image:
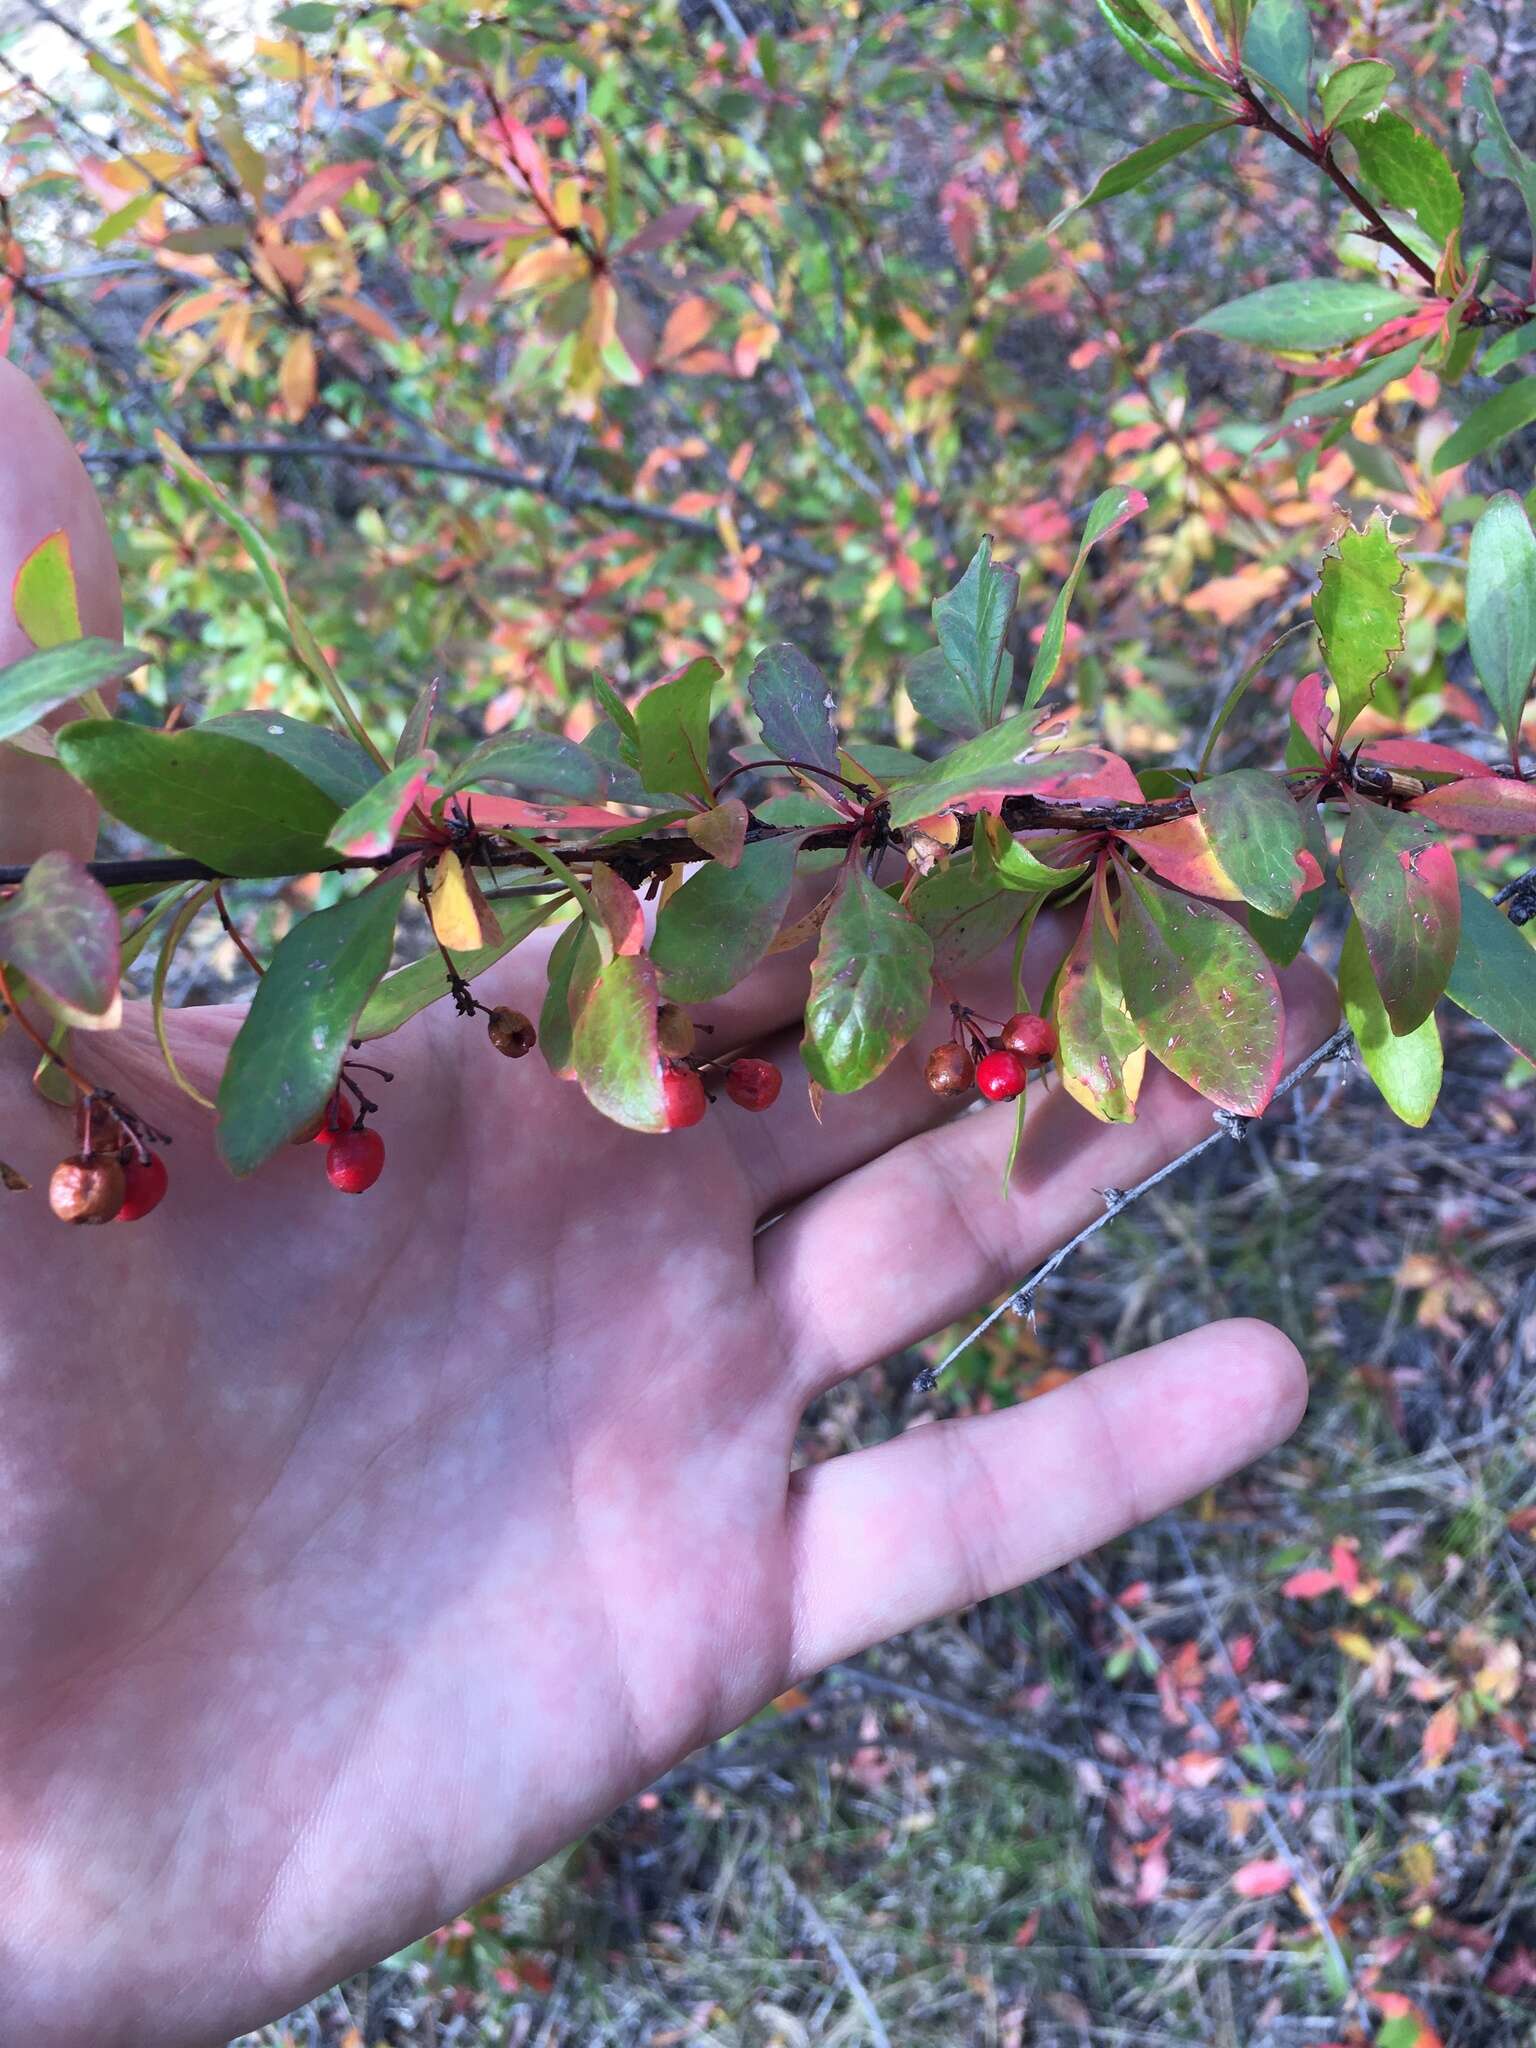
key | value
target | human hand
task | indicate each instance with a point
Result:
(354, 1555)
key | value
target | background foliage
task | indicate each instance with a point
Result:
(545, 340)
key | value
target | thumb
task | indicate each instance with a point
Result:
(43, 486)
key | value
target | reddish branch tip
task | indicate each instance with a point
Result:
(753, 1083)
(685, 1098)
(950, 1070)
(86, 1190)
(355, 1161)
(144, 1184)
(1032, 1038)
(1001, 1075)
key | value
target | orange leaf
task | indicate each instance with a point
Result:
(296, 378)
(369, 318)
(1440, 1733)
(1226, 598)
(687, 324)
(325, 188)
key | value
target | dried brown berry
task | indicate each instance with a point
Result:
(86, 1190)
(510, 1032)
(675, 1032)
(950, 1069)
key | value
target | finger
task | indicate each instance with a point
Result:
(953, 1512)
(44, 487)
(899, 1247)
(795, 1150)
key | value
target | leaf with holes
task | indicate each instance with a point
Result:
(618, 1062)
(286, 1059)
(672, 722)
(870, 986)
(1407, 1067)
(1100, 1057)
(61, 930)
(1359, 611)
(1402, 882)
(1203, 995)
(722, 921)
(795, 706)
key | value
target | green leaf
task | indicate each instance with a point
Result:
(1406, 1069)
(722, 921)
(1494, 978)
(330, 760)
(1282, 938)
(870, 987)
(125, 218)
(308, 17)
(574, 961)
(1501, 608)
(416, 733)
(1306, 315)
(1354, 90)
(1496, 155)
(623, 718)
(1277, 50)
(961, 684)
(240, 809)
(1402, 882)
(1157, 52)
(1359, 611)
(61, 930)
(795, 706)
(1005, 862)
(1204, 997)
(41, 682)
(410, 990)
(43, 593)
(1007, 757)
(964, 914)
(372, 825)
(1100, 1055)
(673, 725)
(618, 1062)
(1505, 413)
(535, 764)
(1324, 401)
(1520, 341)
(1142, 164)
(1110, 511)
(286, 1060)
(1255, 828)
(1409, 171)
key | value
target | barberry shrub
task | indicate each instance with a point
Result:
(1190, 884)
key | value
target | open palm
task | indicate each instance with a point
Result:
(356, 1554)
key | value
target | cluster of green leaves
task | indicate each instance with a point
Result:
(1192, 886)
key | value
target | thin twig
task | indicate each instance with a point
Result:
(841, 1960)
(1021, 1301)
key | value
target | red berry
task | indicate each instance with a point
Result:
(355, 1161)
(753, 1084)
(685, 1098)
(336, 1119)
(950, 1069)
(145, 1182)
(1032, 1038)
(1001, 1075)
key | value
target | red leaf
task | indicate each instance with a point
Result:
(1309, 1584)
(325, 188)
(619, 908)
(1495, 805)
(1262, 1879)
(1426, 755)
(666, 227)
(1403, 884)
(1311, 713)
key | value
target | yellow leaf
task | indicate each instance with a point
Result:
(460, 915)
(568, 202)
(1355, 1645)
(150, 57)
(296, 379)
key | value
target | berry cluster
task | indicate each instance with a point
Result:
(354, 1153)
(999, 1067)
(751, 1083)
(115, 1176)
